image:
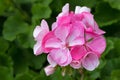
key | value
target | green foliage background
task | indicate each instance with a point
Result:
(18, 18)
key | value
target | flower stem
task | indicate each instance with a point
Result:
(82, 74)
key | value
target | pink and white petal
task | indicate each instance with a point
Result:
(48, 36)
(76, 42)
(61, 56)
(53, 43)
(76, 36)
(65, 10)
(36, 31)
(41, 35)
(62, 32)
(79, 9)
(88, 21)
(51, 61)
(97, 44)
(54, 25)
(97, 30)
(78, 52)
(44, 25)
(75, 64)
(49, 70)
(90, 61)
(37, 48)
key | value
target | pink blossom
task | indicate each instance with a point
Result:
(49, 70)
(75, 40)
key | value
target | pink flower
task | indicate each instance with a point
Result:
(49, 70)
(75, 40)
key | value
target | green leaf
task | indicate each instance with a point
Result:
(6, 61)
(37, 61)
(24, 76)
(2, 7)
(88, 3)
(26, 40)
(5, 73)
(115, 75)
(115, 52)
(4, 46)
(112, 64)
(105, 15)
(45, 2)
(14, 26)
(40, 11)
(114, 3)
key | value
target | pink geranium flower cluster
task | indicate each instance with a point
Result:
(75, 40)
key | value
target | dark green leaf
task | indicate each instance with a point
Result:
(4, 46)
(115, 75)
(40, 11)
(105, 15)
(24, 76)
(5, 73)
(114, 3)
(13, 26)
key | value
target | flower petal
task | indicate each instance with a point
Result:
(44, 25)
(61, 57)
(53, 43)
(40, 32)
(36, 31)
(65, 10)
(88, 21)
(78, 52)
(76, 36)
(37, 49)
(54, 25)
(75, 64)
(97, 44)
(51, 61)
(62, 32)
(79, 9)
(97, 30)
(90, 61)
(49, 70)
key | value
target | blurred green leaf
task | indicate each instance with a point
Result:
(40, 11)
(2, 7)
(5, 73)
(6, 61)
(112, 64)
(88, 3)
(13, 26)
(4, 46)
(114, 3)
(115, 75)
(105, 15)
(24, 76)
(37, 61)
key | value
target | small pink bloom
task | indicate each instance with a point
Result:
(90, 61)
(49, 70)
(76, 64)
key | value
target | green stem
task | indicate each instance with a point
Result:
(82, 74)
